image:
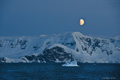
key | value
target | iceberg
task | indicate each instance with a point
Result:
(73, 63)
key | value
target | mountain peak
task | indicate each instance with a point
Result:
(82, 47)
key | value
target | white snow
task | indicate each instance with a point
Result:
(11, 47)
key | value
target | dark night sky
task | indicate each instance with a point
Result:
(36, 17)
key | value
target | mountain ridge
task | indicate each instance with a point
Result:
(82, 48)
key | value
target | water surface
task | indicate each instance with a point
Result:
(49, 71)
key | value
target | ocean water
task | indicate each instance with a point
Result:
(50, 71)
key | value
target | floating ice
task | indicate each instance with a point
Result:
(73, 63)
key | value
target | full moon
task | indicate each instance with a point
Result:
(81, 21)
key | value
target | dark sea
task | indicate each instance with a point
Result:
(49, 71)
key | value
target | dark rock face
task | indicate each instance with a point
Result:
(34, 58)
(51, 55)
(57, 53)
(95, 43)
(2, 59)
(13, 44)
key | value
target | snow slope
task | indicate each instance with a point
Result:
(60, 47)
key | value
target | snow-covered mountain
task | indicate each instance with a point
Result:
(64, 47)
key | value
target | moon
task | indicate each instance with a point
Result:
(81, 22)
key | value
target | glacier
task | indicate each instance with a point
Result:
(59, 48)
